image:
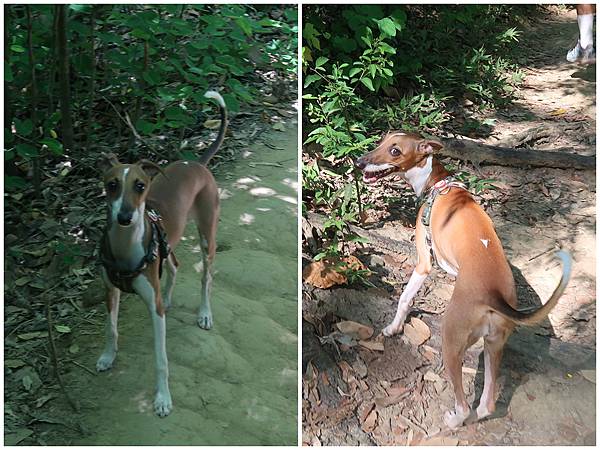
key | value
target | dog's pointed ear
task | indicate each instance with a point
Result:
(152, 169)
(428, 146)
(108, 161)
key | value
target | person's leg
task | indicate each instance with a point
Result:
(585, 20)
(584, 50)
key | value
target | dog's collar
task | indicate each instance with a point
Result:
(442, 187)
(158, 246)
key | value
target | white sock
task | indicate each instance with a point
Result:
(586, 29)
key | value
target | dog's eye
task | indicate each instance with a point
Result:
(395, 151)
(111, 186)
(139, 186)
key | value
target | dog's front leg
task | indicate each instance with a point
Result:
(415, 282)
(405, 303)
(150, 292)
(113, 296)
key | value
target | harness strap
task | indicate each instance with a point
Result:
(442, 187)
(158, 247)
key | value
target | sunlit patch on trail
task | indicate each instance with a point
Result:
(291, 183)
(287, 198)
(262, 192)
(246, 219)
(199, 267)
(142, 403)
(224, 194)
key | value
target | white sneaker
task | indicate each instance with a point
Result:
(585, 55)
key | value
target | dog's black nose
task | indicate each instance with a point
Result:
(360, 163)
(124, 218)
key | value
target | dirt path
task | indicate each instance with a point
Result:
(547, 385)
(235, 384)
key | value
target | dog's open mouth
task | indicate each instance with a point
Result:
(372, 173)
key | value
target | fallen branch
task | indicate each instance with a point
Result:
(479, 153)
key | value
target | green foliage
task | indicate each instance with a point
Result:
(378, 67)
(153, 62)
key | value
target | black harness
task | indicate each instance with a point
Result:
(158, 247)
(442, 187)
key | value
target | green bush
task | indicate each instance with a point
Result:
(368, 68)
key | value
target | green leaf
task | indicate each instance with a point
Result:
(62, 328)
(368, 83)
(387, 26)
(354, 71)
(55, 146)
(152, 77)
(24, 128)
(12, 183)
(8, 74)
(310, 79)
(144, 127)
(175, 113)
(80, 8)
(245, 25)
(17, 48)
(26, 151)
(320, 61)
(232, 103)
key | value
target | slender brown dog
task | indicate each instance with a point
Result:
(463, 241)
(148, 209)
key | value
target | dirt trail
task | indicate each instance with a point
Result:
(547, 384)
(237, 383)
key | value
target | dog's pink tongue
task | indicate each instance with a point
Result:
(369, 179)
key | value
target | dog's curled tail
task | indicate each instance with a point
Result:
(214, 147)
(531, 318)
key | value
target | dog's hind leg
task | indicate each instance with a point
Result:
(455, 337)
(207, 215)
(492, 356)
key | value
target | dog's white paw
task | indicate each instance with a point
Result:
(483, 412)
(392, 329)
(454, 420)
(163, 404)
(205, 320)
(105, 361)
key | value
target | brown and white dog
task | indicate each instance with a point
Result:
(464, 242)
(134, 246)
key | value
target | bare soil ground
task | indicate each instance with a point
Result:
(236, 384)
(353, 395)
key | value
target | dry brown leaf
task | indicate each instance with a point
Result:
(417, 331)
(212, 124)
(376, 346)
(396, 390)
(352, 262)
(440, 440)
(346, 370)
(432, 376)
(322, 275)
(355, 329)
(370, 422)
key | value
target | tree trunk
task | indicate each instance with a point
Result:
(63, 75)
(36, 160)
(88, 132)
(8, 111)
